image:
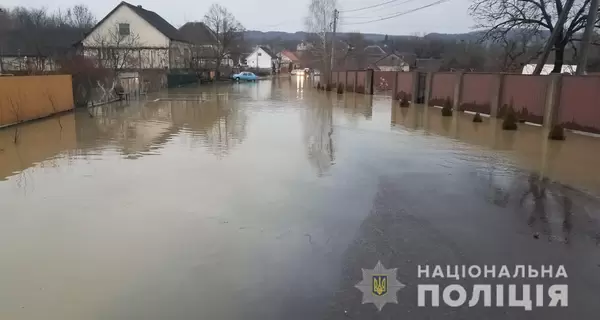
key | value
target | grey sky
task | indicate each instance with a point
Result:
(264, 15)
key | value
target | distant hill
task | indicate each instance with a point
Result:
(261, 36)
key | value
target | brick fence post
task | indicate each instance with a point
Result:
(428, 84)
(414, 91)
(369, 81)
(395, 85)
(457, 91)
(355, 80)
(552, 105)
(496, 99)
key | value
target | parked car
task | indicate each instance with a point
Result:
(245, 75)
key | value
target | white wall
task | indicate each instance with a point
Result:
(264, 60)
(148, 35)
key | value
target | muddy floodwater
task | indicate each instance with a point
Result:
(264, 201)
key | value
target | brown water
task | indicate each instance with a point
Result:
(240, 201)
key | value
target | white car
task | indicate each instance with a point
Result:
(298, 72)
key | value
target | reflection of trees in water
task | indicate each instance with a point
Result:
(213, 122)
(318, 126)
(134, 130)
(218, 125)
(551, 209)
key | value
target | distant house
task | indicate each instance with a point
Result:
(395, 62)
(547, 69)
(203, 46)
(288, 61)
(304, 46)
(36, 52)
(262, 58)
(133, 38)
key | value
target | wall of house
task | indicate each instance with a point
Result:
(264, 60)
(132, 59)
(32, 97)
(148, 35)
(180, 56)
(35, 64)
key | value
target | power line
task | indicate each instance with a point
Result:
(369, 7)
(399, 14)
(379, 9)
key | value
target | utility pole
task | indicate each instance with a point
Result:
(587, 38)
(335, 18)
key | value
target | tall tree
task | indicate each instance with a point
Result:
(319, 22)
(227, 30)
(504, 18)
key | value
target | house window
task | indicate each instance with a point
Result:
(259, 54)
(124, 29)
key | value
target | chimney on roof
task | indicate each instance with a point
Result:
(139, 6)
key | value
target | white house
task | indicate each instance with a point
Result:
(133, 38)
(261, 58)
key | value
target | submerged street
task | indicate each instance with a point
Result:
(265, 200)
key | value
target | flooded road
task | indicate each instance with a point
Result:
(264, 201)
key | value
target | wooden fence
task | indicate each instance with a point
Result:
(33, 97)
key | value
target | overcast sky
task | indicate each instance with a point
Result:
(281, 15)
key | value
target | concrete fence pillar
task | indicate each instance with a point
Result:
(355, 80)
(395, 85)
(496, 99)
(552, 105)
(414, 91)
(369, 81)
(346, 81)
(428, 85)
(457, 91)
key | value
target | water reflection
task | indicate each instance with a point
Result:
(37, 142)
(524, 176)
(318, 134)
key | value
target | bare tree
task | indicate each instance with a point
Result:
(320, 23)
(227, 31)
(117, 49)
(518, 50)
(502, 18)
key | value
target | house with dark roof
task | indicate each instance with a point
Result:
(131, 37)
(262, 58)
(204, 48)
